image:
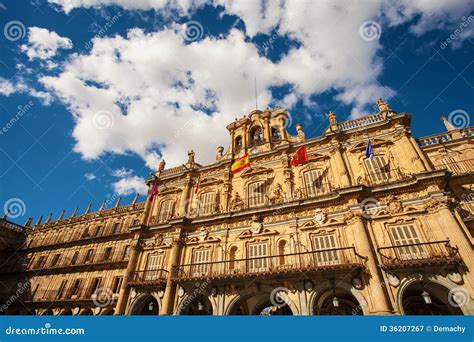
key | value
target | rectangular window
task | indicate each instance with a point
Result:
(200, 262)
(116, 228)
(153, 266)
(55, 260)
(74, 258)
(117, 284)
(126, 252)
(378, 169)
(166, 211)
(313, 181)
(98, 231)
(41, 261)
(95, 285)
(324, 246)
(406, 236)
(107, 254)
(89, 256)
(257, 254)
(76, 287)
(61, 289)
(207, 203)
(257, 194)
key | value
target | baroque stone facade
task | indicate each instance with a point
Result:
(338, 234)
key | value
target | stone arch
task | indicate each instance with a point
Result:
(248, 293)
(107, 312)
(325, 288)
(137, 305)
(86, 312)
(195, 294)
(435, 286)
(47, 312)
(65, 312)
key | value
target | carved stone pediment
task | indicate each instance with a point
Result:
(362, 145)
(210, 181)
(256, 171)
(251, 233)
(154, 242)
(203, 237)
(170, 190)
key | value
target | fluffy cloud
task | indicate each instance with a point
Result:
(9, 87)
(44, 44)
(89, 176)
(155, 95)
(130, 185)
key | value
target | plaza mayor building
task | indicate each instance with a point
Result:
(364, 219)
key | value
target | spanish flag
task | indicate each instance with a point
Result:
(240, 163)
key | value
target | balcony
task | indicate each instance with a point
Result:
(313, 191)
(419, 254)
(65, 295)
(318, 261)
(457, 167)
(385, 176)
(149, 277)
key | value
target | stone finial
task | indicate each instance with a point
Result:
(382, 106)
(447, 124)
(48, 219)
(220, 151)
(332, 118)
(88, 210)
(61, 215)
(117, 204)
(74, 212)
(135, 199)
(299, 130)
(6, 214)
(191, 156)
(102, 206)
(162, 165)
(29, 222)
(39, 220)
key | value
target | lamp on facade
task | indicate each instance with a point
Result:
(426, 296)
(335, 300)
(200, 306)
(150, 306)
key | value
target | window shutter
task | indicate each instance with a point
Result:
(207, 203)
(257, 194)
(257, 257)
(200, 261)
(407, 235)
(324, 246)
(377, 168)
(166, 211)
(313, 181)
(154, 263)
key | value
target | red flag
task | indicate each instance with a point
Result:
(300, 156)
(198, 184)
(153, 192)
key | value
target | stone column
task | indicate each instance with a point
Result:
(422, 155)
(458, 239)
(131, 267)
(376, 288)
(170, 291)
(341, 167)
(267, 131)
(413, 158)
(185, 195)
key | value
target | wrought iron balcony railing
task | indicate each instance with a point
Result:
(317, 261)
(457, 167)
(419, 254)
(96, 259)
(313, 191)
(149, 277)
(385, 176)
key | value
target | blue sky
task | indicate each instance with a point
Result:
(92, 92)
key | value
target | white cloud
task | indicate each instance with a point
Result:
(121, 173)
(6, 87)
(130, 185)
(90, 176)
(150, 88)
(44, 44)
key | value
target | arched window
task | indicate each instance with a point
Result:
(238, 143)
(281, 252)
(276, 136)
(232, 257)
(166, 211)
(256, 136)
(378, 169)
